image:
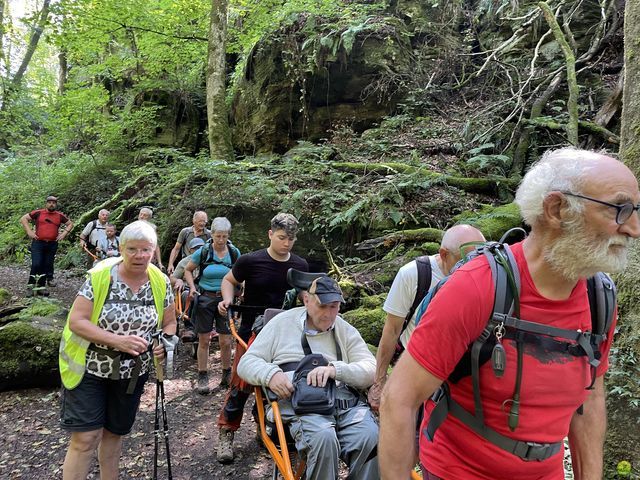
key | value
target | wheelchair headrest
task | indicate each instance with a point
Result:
(302, 280)
(269, 313)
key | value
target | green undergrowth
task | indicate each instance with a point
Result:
(305, 181)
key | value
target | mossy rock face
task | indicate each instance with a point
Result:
(29, 356)
(286, 95)
(368, 321)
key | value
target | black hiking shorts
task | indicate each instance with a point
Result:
(205, 314)
(101, 403)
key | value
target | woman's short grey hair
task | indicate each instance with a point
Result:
(220, 224)
(138, 230)
(562, 170)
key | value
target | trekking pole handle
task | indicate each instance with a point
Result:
(169, 342)
(159, 365)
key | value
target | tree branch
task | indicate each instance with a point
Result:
(572, 103)
(150, 30)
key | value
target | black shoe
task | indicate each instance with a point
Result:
(203, 383)
(51, 282)
(226, 378)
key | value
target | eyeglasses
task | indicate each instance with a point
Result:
(623, 211)
(137, 251)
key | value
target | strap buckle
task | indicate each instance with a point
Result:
(536, 451)
(438, 395)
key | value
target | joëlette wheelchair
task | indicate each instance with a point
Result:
(288, 463)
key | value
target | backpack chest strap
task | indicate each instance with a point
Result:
(445, 405)
(584, 341)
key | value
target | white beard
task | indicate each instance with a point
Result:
(576, 255)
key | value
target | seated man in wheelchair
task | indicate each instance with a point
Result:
(344, 429)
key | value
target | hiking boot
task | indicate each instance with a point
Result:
(225, 446)
(226, 378)
(203, 383)
(189, 335)
(51, 282)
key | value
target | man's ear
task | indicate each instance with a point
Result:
(553, 209)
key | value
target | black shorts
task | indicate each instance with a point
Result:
(205, 313)
(101, 403)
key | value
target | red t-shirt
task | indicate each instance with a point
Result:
(48, 223)
(553, 384)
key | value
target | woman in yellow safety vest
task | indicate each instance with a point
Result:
(105, 351)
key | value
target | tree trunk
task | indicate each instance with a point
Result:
(1, 34)
(33, 43)
(31, 48)
(63, 70)
(623, 439)
(219, 133)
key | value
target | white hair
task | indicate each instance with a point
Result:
(562, 170)
(138, 230)
(220, 224)
(147, 211)
(198, 213)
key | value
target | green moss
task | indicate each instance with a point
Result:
(492, 221)
(349, 287)
(430, 248)
(5, 296)
(27, 349)
(372, 301)
(368, 321)
(40, 307)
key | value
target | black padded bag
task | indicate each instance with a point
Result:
(307, 398)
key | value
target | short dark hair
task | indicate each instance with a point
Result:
(286, 222)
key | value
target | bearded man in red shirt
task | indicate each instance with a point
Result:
(582, 208)
(51, 226)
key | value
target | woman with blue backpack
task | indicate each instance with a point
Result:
(214, 259)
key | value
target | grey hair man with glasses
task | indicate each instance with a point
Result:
(582, 208)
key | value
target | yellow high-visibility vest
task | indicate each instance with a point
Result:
(73, 348)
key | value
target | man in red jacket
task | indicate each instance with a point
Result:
(44, 242)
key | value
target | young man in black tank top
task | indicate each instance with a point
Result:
(264, 274)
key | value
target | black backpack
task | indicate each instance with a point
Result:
(208, 257)
(423, 264)
(505, 322)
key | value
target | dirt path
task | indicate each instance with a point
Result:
(32, 446)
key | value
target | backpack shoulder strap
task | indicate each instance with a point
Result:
(602, 302)
(233, 252)
(204, 258)
(423, 265)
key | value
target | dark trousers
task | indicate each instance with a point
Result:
(231, 415)
(42, 257)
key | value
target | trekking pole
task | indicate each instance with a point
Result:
(161, 412)
(84, 247)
